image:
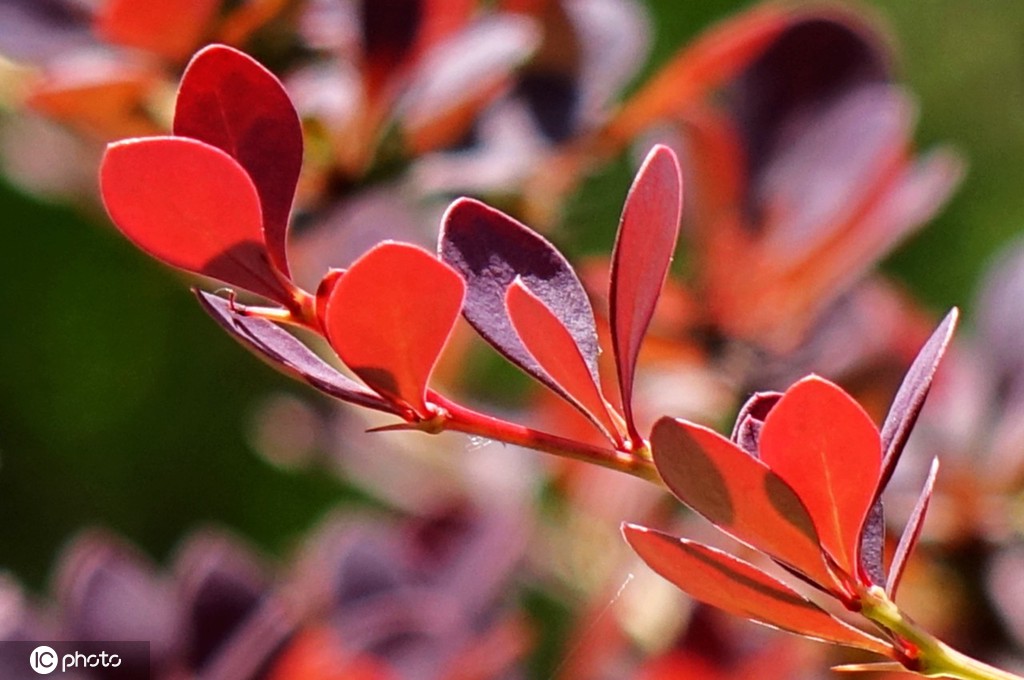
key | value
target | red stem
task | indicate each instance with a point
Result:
(462, 419)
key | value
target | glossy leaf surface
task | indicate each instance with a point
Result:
(229, 100)
(738, 494)
(823, 444)
(284, 351)
(911, 532)
(489, 249)
(551, 346)
(389, 316)
(191, 206)
(737, 587)
(909, 399)
(643, 251)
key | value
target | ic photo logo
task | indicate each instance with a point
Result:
(44, 660)
(107, 657)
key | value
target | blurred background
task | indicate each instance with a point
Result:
(122, 405)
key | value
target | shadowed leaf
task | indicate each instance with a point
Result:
(818, 59)
(746, 433)
(738, 494)
(737, 587)
(909, 399)
(389, 316)
(191, 206)
(489, 249)
(221, 585)
(912, 532)
(826, 448)
(286, 353)
(646, 241)
(551, 346)
(872, 544)
(229, 100)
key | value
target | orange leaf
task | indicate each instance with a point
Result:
(389, 316)
(191, 206)
(552, 346)
(738, 494)
(737, 587)
(169, 29)
(823, 444)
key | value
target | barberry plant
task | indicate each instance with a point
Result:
(799, 481)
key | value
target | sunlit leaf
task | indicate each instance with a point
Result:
(912, 532)
(489, 249)
(823, 444)
(737, 587)
(169, 29)
(284, 351)
(229, 100)
(191, 206)
(643, 251)
(390, 315)
(738, 494)
(551, 346)
(909, 399)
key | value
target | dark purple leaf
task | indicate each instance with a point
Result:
(221, 585)
(810, 65)
(911, 532)
(285, 352)
(230, 101)
(489, 249)
(747, 431)
(872, 544)
(911, 395)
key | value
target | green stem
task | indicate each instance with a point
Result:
(934, 658)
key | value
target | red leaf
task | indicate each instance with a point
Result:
(169, 29)
(390, 315)
(191, 206)
(823, 444)
(229, 100)
(643, 250)
(737, 587)
(552, 346)
(719, 54)
(738, 494)
(912, 532)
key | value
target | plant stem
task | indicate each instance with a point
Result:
(934, 658)
(462, 419)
